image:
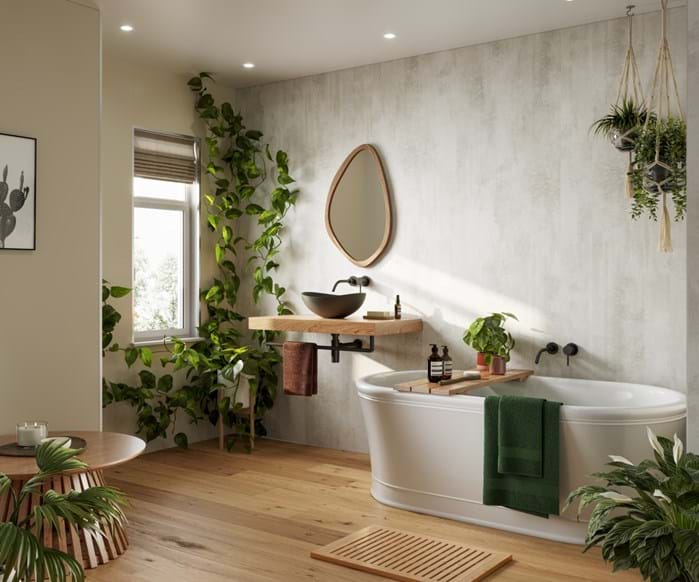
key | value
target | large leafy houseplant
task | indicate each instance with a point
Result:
(487, 335)
(248, 219)
(155, 399)
(663, 141)
(23, 555)
(158, 399)
(646, 516)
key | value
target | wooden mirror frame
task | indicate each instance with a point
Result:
(388, 225)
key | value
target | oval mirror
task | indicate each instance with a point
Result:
(358, 211)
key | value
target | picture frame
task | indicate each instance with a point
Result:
(17, 192)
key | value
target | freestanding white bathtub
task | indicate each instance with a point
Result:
(427, 451)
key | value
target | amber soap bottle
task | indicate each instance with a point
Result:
(434, 365)
(447, 364)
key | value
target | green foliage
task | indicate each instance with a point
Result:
(22, 553)
(237, 168)
(237, 205)
(621, 118)
(646, 516)
(489, 336)
(154, 399)
(669, 138)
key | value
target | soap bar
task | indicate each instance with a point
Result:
(378, 315)
(471, 375)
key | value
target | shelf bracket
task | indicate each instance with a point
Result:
(336, 346)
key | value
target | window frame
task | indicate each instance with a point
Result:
(190, 252)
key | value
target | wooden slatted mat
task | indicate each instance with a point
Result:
(409, 557)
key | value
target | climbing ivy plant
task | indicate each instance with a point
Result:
(153, 397)
(248, 219)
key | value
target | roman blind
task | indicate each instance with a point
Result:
(164, 157)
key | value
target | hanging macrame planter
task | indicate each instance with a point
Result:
(628, 114)
(660, 151)
(630, 91)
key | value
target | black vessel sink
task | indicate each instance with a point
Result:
(333, 306)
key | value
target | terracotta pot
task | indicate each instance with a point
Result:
(482, 365)
(498, 366)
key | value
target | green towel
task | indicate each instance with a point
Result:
(520, 438)
(536, 495)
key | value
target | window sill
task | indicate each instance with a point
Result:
(159, 342)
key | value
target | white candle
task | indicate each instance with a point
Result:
(29, 434)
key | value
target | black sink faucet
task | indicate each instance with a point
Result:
(551, 348)
(354, 282)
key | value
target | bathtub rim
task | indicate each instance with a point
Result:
(603, 415)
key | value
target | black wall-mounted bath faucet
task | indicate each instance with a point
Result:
(551, 348)
(354, 282)
(570, 350)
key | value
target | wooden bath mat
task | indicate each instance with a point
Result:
(410, 557)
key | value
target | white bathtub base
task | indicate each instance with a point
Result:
(554, 529)
(427, 451)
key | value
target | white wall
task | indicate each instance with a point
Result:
(49, 298)
(503, 201)
(693, 227)
(135, 95)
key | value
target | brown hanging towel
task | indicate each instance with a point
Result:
(300, 368)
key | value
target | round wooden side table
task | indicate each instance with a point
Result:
(104, 449)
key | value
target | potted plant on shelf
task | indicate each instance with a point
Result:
(646, 516)
(622, 125)
(488, 336)
(23, 555)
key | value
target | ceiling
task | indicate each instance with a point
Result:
(286, 39)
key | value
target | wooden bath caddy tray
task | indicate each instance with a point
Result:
(423, 386)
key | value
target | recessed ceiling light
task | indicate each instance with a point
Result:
(249, 65)
(389, 36)
(126, 28)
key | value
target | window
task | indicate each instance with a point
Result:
(165, 236)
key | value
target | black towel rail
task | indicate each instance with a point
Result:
(336, 346)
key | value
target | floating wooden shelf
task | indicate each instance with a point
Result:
(423, 386)
(349, 326)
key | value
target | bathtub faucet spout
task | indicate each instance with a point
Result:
(551, 348)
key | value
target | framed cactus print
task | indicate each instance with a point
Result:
(17, 192)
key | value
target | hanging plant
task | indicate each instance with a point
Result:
(651, 178)
(622, 125)
(660, 156)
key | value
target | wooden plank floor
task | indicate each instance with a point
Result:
(210, 516)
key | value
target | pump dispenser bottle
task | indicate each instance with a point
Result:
(447, 364)
(434, 365)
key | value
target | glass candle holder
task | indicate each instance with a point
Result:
(30, 434)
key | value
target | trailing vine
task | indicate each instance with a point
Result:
(249, 222)
(668, 140)
(154, 398)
